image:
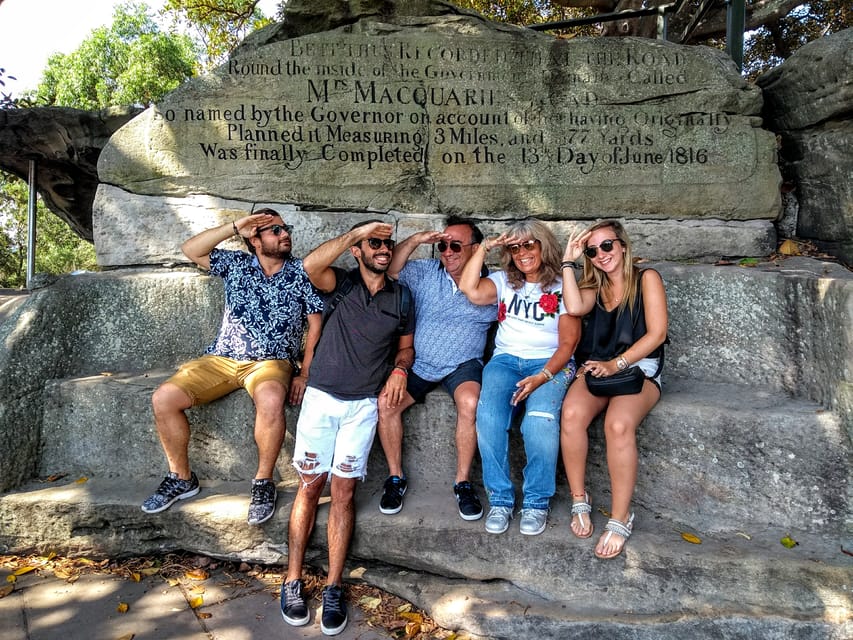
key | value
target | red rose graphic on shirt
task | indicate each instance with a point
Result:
(549, 303)
(501, 311)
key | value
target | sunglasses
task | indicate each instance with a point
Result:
(455, 246)
(606, 246)
(276, 229)
(527, 246)
(376, 243)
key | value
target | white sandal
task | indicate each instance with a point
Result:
(620, 529)
(580, 509)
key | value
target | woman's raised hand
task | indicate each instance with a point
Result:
(575, 245)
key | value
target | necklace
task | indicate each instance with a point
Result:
(527, 294)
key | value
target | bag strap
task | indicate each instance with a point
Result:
(344, 287)
(404, 302)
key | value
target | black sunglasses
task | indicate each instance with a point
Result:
(527, 246)
(606, 246)
(375, 243)
(276, 229)
(455, 246)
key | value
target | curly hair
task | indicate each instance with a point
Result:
(533, 229)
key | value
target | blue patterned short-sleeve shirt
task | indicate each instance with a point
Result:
(450, 330)
(264, 316)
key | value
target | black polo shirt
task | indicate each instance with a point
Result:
(356, 350)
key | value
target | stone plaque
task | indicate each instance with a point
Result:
(466, 117)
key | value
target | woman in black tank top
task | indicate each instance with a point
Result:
(625, 325)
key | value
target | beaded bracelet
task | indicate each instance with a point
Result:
(569, 263)
(234, 226)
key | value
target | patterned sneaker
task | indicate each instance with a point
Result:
(334, 617)
(263, 501)
(293, 607)
(498, 519)
(533, 521)
(467, 501)
(392, 495)
(171, 490)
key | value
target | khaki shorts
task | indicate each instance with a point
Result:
(211, 377)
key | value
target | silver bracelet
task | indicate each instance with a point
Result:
(548, 375)
(621, 363)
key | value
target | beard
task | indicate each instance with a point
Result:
(370, 265)
(275, 253)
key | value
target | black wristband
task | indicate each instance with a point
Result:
(569, 263)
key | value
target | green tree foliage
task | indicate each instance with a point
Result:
(778, 27)
(219, 25)
(59, 249)
(129, 62)
(776, 40)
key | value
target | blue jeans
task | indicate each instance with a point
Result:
(540, 429)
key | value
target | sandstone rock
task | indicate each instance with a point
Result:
(451, 113)
(126, 232)
(809, 99)
(66, 143)
(812, 86)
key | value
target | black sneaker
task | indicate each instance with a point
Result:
(467, 501)
(263, 501)
(293, 607)
(171, 490)
(392, 496)
(334, 617)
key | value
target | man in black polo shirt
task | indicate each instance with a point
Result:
(363, 350)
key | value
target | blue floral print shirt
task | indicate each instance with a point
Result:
(264, 317)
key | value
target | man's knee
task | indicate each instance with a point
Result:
(169, 398)
(269, 396)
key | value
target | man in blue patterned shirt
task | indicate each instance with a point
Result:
(268, 299)
(450, 337)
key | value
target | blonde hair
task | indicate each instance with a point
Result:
(593, 278)
(533, 229)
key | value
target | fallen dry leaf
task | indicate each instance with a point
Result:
(150, 571)
(5, 591)
(11, 578)
(81, 480)
(689, 537)
(122, 607)
(789, 248)
(788, 542)
(204, 615)
(196, 602)
(127, 636)
(197, 574)
(135, 576)
(369, 602)
(23, 570)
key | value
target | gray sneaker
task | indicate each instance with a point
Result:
(263, 501)
(498, 519)
(533, 521)
(170, 491)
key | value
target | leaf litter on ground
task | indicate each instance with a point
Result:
(381, 609)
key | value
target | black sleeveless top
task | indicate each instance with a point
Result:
(608, 334)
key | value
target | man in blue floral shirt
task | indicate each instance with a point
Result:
(268, 298)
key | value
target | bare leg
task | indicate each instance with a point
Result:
(269, 397)
(579, 409)
(620, 430)
(302, 516)
(390, 429)
(341, 523)
(169, 403)
(466, 396)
